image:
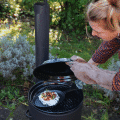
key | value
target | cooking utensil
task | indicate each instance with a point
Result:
(53, 67)
(37, 89)
(61, 94)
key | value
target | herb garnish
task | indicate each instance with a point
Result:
(53, 96)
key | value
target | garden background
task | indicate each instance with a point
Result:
(67, 37)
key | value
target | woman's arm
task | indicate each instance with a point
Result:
(108, 77)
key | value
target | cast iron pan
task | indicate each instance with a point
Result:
(37, 89)
(36, 102)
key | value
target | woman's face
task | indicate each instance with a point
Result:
(98, 31)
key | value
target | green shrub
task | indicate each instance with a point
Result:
(72, 15)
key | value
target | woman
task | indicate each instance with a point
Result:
(104, 18)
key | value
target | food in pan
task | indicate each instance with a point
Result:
(49, 98)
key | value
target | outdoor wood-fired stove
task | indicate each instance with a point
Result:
(57, 76)
(53, 75)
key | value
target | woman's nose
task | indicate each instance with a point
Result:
(94, 33)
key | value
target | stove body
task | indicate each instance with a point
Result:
(71, 107)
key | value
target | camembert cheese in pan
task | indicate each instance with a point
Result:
(49, 98)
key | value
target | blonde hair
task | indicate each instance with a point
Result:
(107, 10)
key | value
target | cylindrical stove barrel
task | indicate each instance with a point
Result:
(72, 115)
(41, 10)
(71, 111)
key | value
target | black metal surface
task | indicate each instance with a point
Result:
(69, 109)
(36, 88)
(69, 103)
(52, 69)
(36, 114)
(41, 10)
(61, 94)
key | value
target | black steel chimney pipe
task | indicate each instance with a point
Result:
(41, 10)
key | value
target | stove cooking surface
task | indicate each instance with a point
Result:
(71, 101)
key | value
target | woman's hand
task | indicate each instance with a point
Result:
(84, 71)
